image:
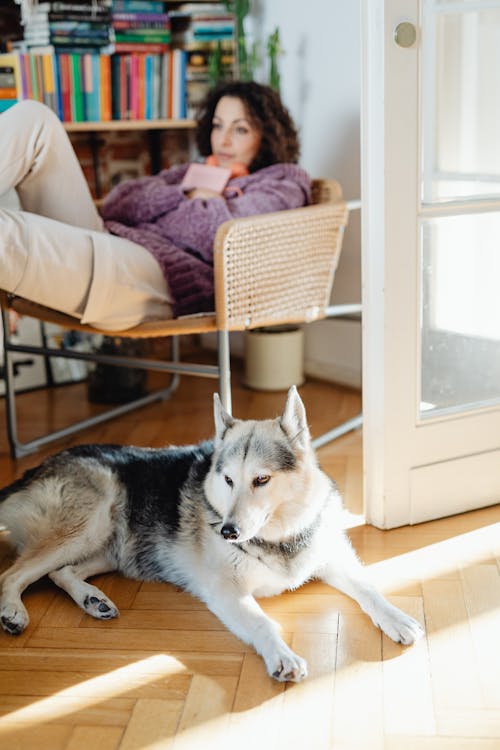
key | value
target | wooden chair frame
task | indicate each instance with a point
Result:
(269, 270)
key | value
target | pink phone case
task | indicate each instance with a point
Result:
(205, 176)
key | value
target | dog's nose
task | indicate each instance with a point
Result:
(230, 531)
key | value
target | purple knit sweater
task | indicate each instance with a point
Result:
(180, 232)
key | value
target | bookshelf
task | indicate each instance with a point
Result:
(118, 59)
(153, 129)
(137, 66)
(100, 126)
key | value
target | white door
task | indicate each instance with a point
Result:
(431, 257)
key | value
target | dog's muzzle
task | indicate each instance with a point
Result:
(230, 532)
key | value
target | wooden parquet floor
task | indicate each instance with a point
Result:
(167, 674)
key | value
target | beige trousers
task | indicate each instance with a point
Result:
(55, 250)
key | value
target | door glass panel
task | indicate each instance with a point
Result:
(460, 312)
(461, 102)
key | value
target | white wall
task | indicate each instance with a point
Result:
(320, 84)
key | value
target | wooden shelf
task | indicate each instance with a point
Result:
(110, 125)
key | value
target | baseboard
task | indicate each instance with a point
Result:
(333, 373)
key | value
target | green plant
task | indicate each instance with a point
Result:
(274, 50)
(241, 8)
(215, 65)
(246, 63)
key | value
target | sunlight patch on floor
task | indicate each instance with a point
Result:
(437, 560)
(93, 691)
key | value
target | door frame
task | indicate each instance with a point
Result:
(404, 456)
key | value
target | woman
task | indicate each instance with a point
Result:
(151, 257)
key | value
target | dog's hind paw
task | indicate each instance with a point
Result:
(99, 606)
(14, 618)
(287, 667)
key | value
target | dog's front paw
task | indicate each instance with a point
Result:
(14, 618)
(400, 627)
(99, 606)
(285, 666)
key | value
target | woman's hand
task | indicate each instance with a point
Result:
(204, 193)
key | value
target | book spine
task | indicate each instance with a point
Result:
(132, 25)
(34, 78)
(125, 47)
(182, 84)
(170, 85)
(48, 81)
(115, 86)
(135, 36)
(162, 18)
(24, 79)
(12, 86)
(164, 85)
(148, 114)
(142, 92)
(77, 109)
(105, 86)
(65, 84)
(57, 82)
(27, 76)
(134, 87)
(138, 6)
(86, 71)
(156, 86)
(123, 88)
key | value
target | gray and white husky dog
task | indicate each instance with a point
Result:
(248, 515)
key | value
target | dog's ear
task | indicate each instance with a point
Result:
(293, 421)
(223, 420)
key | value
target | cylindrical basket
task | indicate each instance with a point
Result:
(274, 358)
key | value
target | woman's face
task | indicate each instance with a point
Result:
(234, 138)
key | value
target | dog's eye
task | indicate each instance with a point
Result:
(261, 480)
(228, 480)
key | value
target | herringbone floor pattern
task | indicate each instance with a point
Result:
(166, 674)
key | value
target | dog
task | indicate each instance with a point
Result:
(249, 514)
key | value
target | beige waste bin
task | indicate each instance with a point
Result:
(274, 358)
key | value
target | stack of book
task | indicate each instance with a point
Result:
(70, 27)
(211, 23)
(141, 26)
(202, 22)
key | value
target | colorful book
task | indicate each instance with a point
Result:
(6, 103)
(179, 84)
(77, 108)
(134, 87)
(131, 47)
(10, 76)
(142, 38)
(65, 86)
(125, 25)
(8, 89)
(138, 6)
(162, 18)
(148, 109)
(164, 85)
(105, 86)
(49, 80)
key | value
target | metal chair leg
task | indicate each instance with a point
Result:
(341, 429)
(224, 370)
(19, 449)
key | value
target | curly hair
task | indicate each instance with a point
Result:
(265, 111)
